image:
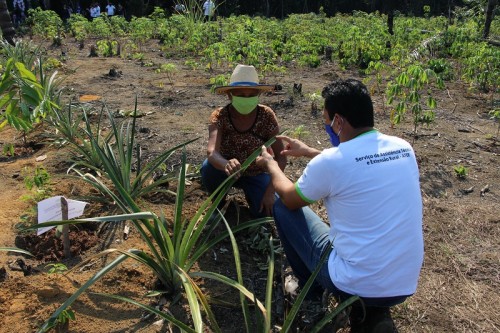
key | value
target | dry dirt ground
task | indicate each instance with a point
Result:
(460, 279)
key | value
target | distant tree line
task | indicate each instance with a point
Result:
(278, 8)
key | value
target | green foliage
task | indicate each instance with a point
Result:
(192, 64)
(51, 64)
(37, 182)
(442, 68)
(218, 81)
(299, 132)
(78, 26)
(482, 67)
(138, 56)
(461, 171)
(317, 102)
(69, 130)
(173, 246)
(141, 29)
(23, 51)
(40, 178)
(107, 48)
(45, 23)
(115, 158)
(8, 149)
(27, 97)
(310, 60)
(61, 323)
(406, 92)
(169, 70)
(57, 268)
(119, 25)
(99, 27)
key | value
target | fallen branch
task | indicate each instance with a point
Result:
(492, 42)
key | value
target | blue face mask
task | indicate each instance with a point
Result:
(334, 138)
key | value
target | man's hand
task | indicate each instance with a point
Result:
(265, 158)
(296, 148)
(232, 166)
(281, 184)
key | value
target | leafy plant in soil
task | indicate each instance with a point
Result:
(37, 181)
(45, 23)
(406, 91)
(461, 171)
(115, 171)
(27, 97)
(173, 247)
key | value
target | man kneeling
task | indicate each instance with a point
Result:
(370, 187)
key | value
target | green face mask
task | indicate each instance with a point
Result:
(245, 105)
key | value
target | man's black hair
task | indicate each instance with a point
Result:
(350, 99)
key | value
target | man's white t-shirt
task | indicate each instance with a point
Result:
(370, 188)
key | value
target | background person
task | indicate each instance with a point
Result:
(208, 9)
(180, 8)
(235, 132)
(95, 10)
(19, 12)
(370, 187)
(110, 9)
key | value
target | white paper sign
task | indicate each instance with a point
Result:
(50, 210)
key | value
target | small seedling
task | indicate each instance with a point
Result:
(8, 149)
(316, 102)
(38, 183)
(461, 171)
(299, 132)
(61, 323)
(138, 56)
(56, 268)
(169, 69)
(219, 80)
(40, 178)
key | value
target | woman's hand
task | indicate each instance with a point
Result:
(232, 166)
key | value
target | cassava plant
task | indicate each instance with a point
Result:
(27, 97)
(407, 90)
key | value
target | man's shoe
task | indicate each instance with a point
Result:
(376, 320)
(379, 320)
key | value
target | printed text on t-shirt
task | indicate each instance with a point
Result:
(391, 155)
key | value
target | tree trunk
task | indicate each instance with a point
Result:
(390, 22)
(389, 7)
(267, 8)
(489, 17)
(6, 25)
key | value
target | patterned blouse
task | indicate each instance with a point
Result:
(240, 145)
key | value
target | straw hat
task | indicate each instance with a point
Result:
(244, 76)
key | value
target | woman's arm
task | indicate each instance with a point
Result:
(213, 152)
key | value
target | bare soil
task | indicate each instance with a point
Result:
(460, 280)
